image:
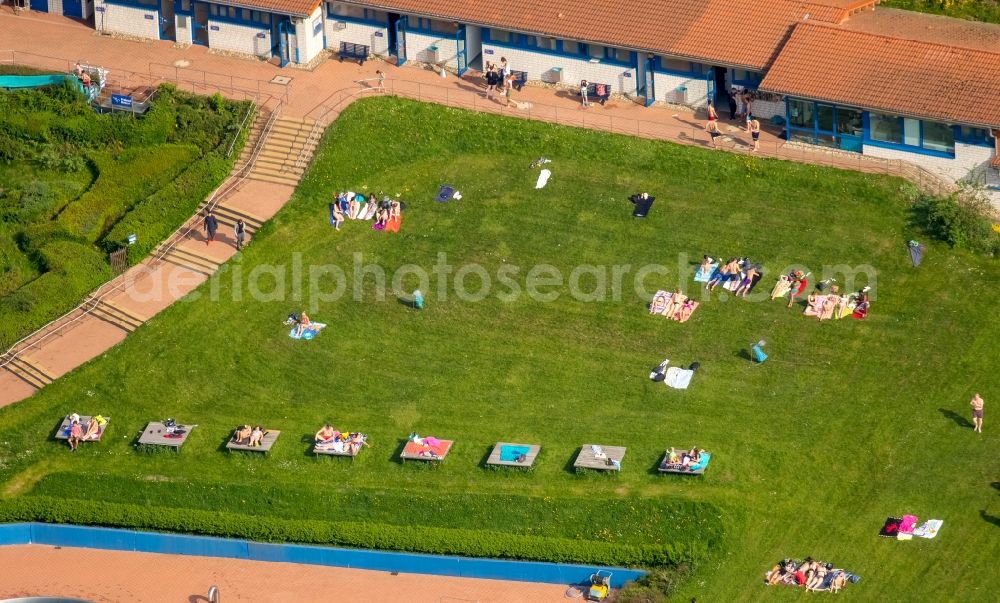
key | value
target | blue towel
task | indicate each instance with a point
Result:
(701, 277)
(309, 333)
(445, 193)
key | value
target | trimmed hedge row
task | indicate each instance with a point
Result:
(124, 181)
(419, 539)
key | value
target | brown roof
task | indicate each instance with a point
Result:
(899, 76)
(738, 33)
(927, 28)
(298, 8)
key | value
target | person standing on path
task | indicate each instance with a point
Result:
(977, 413)
(504, 69)
(211, 226)
(491, 82)
(731, 96)
(755, 133)
(713, 131)
(240, 230)
(583, 93)
(381, 80)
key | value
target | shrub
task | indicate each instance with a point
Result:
(960, 220)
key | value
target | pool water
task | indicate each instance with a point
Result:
(510, 453)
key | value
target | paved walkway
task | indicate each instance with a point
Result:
(114, 577)
(318, 94)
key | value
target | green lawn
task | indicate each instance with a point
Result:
(975, 10)
(848, 423)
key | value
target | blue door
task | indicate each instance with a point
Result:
(167, 20)
(41, 6)
(199, 24)
(279, 39)
(711, 85)
(463, 51)
(401, 42)
(72, 8)
(649, 87)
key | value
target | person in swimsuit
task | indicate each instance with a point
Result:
(242, 435)
(256, 436)
(706, 266)
(744, 287)
(303, 324)
(714, 132)
(92, 428)
(799, 283)
(75, 434)
(755, 134)
(725, 274)
(677, 299)
(712, 115)
(977, 413)
(326, 434)
(583, 93)
(686, 309)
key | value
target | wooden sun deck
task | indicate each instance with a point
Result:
(700, 467)
(63, 432)
(415, 452)
(156, 434)
(270, 437)
(529, 456)
(348, 451)
(587, 460)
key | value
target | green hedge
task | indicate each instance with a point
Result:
(434, 540)
(124, 181)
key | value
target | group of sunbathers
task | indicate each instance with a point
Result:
(738, 275)
(813, 575)
(244, 435)
(674, 305)
(386, 214)
(78, 434)
(329, 439)
(825, 306)
(682, 461)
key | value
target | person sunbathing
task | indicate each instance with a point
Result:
(353, 207)
(242, 435)
(686, 309)
(256, 436)
(357, 440)
(815, 581)
(724, 275)
(780, 571)
(92, 428)
(799, 283)
(672, 457)
(326, 434)
(814, 304)
(677, 299)
(829, 306)
(691, 457)
(303, 324)
(705, 268)
(75, 434)
(744, 286)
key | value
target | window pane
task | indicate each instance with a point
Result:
(245, 14)
(213, 8)
(379, 16)
(186, 5)
(446, 27)
(623, 55)
(499, 35)
(885, 128)
(546, 43)
(341, 9)
(596, 51)
(571, 47)
(911, 131)
(939, 137)
(676, 65)
(824, 116)
(849, 121)
(800, 113)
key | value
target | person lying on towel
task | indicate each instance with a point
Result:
(256, 436)
(303, 324)
(660, 302)
(241, 436)
(677, 299)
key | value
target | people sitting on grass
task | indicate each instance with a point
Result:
(302, 323)
(811, 574)
(833, 306)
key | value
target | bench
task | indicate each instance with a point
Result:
(592, 94)
(358, 52)
(519, 79)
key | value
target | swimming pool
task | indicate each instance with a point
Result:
(512, 453)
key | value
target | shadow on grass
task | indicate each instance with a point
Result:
(993, 519)
(954, 416)
(406, 301)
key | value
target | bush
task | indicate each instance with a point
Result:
(962, 220)
(422, 539)
(657, 585)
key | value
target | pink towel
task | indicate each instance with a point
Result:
(909, 522)
(435, 443)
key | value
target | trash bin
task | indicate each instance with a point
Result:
(681, 95)
(432, 54)
(557, 75)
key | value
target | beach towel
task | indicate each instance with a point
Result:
(906, 526)
(660, 301)
(678, 378)
(703, 276)
(445, 193)
(686, 316)
(309, 332)
(928, 529)
(393, 224)
(543, 178)
(916, 252)
(891, 527)
(782, 287)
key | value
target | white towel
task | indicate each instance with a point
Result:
(543, 178)
(678, 378)
(929, 528)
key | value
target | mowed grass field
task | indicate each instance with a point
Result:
(848, 423)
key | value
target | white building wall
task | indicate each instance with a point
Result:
(764, 110)
(55, 7)
(417, 45)
(539, 66)
(183, 26)
(128, 20)
(375, 37)
(665, 86)
(225, 35)
(970, 160)
(309, 35)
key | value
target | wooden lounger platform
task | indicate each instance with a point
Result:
(346, 452)
(699, 469)
(412, 451)
(63, 432)
(156, 434)
(270, 437)
(587, 460)
(529, 455)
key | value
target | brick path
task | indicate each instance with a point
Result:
(49, 40)
(115, 577)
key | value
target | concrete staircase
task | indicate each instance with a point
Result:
(180, 256)
(112, 314)
(287, 150)
(29, 373)
(227, 217)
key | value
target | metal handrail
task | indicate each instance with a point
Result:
(250, 111)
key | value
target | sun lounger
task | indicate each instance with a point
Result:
(158, 434)
(698, 469)
(63, 432)
(270, 437)
(601, 458)
(417, 452)
(345, 450)
(513, 455)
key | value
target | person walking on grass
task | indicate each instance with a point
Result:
(211, 226)
(755, 133)
(977, 413)
(240, 230)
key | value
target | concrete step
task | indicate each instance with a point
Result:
(283, 171)
(182, 257)
(274, 179)
(28, 372)
(113, 319)
(287, 166)
(287, 146)
(115, 315)
(226, 212)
